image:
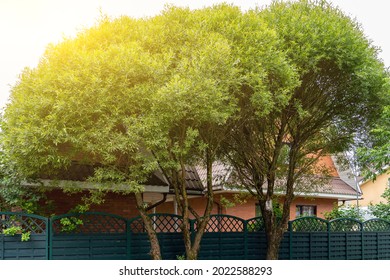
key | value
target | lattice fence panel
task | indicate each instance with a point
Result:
(255, 224)
(162, 223)
(376, 225)
(344, 225)
(26, 223)
(224, 223)
(309, 224)
(89, 223)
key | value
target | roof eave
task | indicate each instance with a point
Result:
(65, 184)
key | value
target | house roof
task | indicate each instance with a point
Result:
(193, 181)
(336, 187)
(81, 172)
(78, 172)
(339, 186)
(221, 174)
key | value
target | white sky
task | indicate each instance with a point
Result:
(28, 26)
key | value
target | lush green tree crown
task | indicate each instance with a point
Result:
(168, 83)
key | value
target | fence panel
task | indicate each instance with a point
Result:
(168, 229)
(88, 236)
(16, 227)
(383, 245)
(370, 246)
(284, 249)
(256, 240)
(224, 238)
(257, 245)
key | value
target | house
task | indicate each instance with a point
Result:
(373, 189)
(74, 181)
(314, 202)
(161, 198)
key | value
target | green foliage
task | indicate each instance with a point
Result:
(26, 236)
(263, 89)
(70, 224)
(14, 192)
(256, 226)
(11, 231)
(374, 156)
(382, 209)
(351, 212)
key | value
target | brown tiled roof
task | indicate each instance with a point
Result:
(338, 186)
(193, 182)
(220, 174)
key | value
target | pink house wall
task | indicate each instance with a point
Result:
(248, 209)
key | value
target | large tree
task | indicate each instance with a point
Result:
(339, 80)
(268, 90)
(131, 96)
(81, 103)
(188, 115)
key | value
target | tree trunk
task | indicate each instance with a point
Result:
(274, 228)
(274, 238)
(155, 251)
(202, 223)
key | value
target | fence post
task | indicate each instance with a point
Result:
(128, 239)
(50, 238)
(290, 237)
(245, 239)
(1, 246)
(329, 235)
(362, 236)
(48, 243)
(377, 245)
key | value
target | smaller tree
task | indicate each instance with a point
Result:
(382, 209)
(374, 153)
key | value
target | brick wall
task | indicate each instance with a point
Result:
(122, 205)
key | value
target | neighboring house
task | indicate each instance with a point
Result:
(313, 203)
(373, 190)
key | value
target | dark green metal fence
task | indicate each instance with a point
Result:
(34, 228)
(90, 236)
(106, 236)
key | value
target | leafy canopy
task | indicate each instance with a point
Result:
(119, 89)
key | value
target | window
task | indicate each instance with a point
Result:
(306, 210)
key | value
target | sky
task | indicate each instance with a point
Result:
(28, 26)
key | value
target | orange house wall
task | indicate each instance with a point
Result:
(248, 209)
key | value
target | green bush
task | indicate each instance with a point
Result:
(350, 212)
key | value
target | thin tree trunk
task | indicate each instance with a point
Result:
(274, 229)
(155, 251)
(202, 223)
(274, 238)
